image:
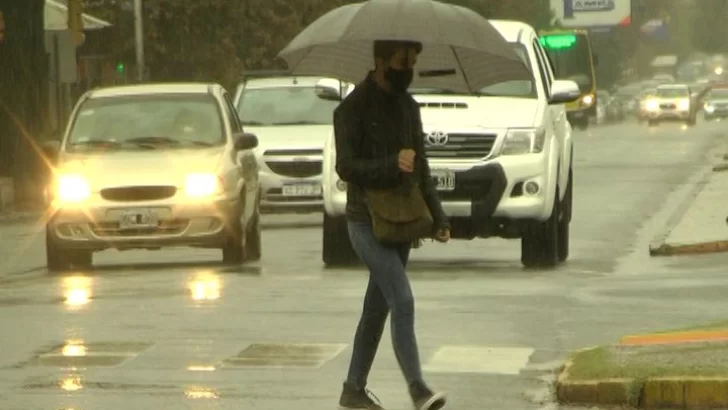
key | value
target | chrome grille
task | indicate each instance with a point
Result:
(465, 146)
(138, 193)
(296, 169)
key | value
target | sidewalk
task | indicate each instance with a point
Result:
(704, 227)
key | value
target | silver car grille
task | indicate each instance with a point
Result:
(295, 163)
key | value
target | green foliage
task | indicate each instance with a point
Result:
(534, 12)
(709, 28)
(215, 40)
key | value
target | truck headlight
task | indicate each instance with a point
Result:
(72, 188)
(198, 185)
(684, 105)
(587, 100)
(524, 141)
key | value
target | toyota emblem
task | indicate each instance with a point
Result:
(436, 139)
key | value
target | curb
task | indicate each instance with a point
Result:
(690, 249)
(659, 392)
(695, 185)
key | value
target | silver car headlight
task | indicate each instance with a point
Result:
(202, 185)
(521, 141)
(72, 188)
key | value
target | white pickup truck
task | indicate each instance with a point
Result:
(502, 160)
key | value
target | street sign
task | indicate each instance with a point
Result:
(592, 13)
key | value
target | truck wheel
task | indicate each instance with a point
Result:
(539, 244)
(63, 260)
(337, 249)
(565, 220)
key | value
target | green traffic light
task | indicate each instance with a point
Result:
(120, 68)
(558, 41)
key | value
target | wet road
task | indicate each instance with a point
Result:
(173, 329)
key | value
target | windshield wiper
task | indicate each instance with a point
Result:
(95, 144)
(200, 143)
(152, 140)
(297, 123)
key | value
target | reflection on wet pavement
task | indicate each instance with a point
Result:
(177, 329)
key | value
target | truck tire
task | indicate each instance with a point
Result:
(337, 249)
(565, 220)
(540, 240)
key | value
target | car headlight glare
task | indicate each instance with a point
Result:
(200, 185)
(71, 188)
(709, 108)
(524, 141)
(652, 105)
(587, 100)
(684, 105)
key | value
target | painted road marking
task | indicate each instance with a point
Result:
(478, 359)
(296, 355)
(78, 354)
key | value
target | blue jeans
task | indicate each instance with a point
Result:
(388, 290)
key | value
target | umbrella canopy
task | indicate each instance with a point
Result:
(456, 41)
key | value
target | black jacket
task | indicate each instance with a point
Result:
(371, 126)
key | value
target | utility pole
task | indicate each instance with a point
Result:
(139, 39)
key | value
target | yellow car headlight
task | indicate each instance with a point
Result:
(72, 188)
(652, 105)
(684, 105)
(198, 185)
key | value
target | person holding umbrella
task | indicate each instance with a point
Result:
(379, 144)
(380, 149)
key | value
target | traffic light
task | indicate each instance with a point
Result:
(75, 20)
(120, 68)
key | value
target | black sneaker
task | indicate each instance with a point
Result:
(426, 399)
(354, 398)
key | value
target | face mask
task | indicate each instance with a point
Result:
(400, 80)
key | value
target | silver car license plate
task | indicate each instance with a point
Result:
(138, 219)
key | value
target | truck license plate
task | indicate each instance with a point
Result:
(137, 219)
(302, 190)
(444, 179)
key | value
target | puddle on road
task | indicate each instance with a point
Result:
(285, 355)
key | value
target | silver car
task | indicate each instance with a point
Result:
(292, 123)
(152, 166)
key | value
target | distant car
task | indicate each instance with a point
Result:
(152, 166)
(642, 103)
(715, 103)
(663, 79)
(292, 122)
(671, 103)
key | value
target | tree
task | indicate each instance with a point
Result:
(23, 75)
(709, 26)
(534, 12)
